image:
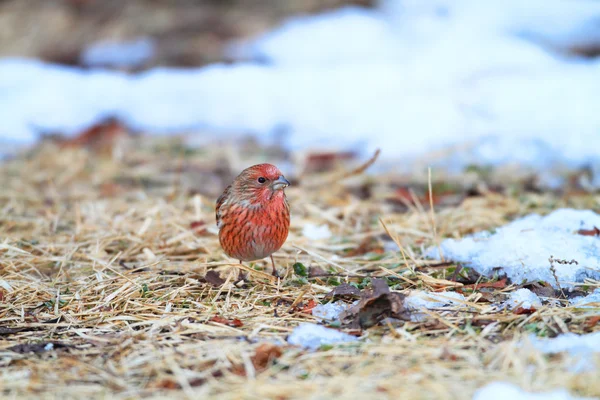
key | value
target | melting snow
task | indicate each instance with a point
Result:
(503, 391)
(313, 336)
(448, 70)
(523, 298)
(329, 312)
(592, 300)
(418, 299)
(521, 249)
(316, 232)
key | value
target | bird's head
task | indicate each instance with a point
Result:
(261, 182)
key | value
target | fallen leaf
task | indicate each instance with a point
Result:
(168, 384)
(376, 303)
(100, 137)
(589, 232)
(316, 271)
(9, 331)
(326, 161)
(521, 310)
(26, 348)
(308, 307)
(344, 290)
(264, 355)
(214, 279)
(542, 289)
(501, 284)
(592, 321)
(235, 323)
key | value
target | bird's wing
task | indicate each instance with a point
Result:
(220, 201)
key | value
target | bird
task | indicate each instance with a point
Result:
(253, 214)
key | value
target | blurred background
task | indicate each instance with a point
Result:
(432, 82)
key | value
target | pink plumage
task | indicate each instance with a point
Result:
(253, 215)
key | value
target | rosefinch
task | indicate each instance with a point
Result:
(253, 215)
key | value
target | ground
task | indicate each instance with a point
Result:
(104, 289)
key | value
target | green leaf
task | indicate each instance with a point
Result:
(300, 269)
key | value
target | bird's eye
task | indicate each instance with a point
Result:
(261, 180)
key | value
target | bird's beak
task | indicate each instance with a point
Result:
(280, 183)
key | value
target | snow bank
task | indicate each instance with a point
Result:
(408, 77)
(521, 249)
(503, 391)
(313, 336)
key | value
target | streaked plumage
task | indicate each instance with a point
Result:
(253, 214)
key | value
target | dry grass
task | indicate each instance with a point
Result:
(99, 258)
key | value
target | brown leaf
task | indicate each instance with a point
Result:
(589, 232)
(9, 331)
(214, 279)
(100, 137)
(264, 355)
(344, 290)
(543, 289)
(316, 271)
(235, 323)
(501, 284)
(521, 310)
(592, 321)
(376, 303)
(308, 307)
(326, 161)
(364, 247)
(168, 384)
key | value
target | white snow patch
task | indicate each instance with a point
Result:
(592, 300)
(313, 336)
(329, 312)
(504, 390)
(316, 232)
(418, 299)
(521, 249)
(580, 347)
(568, 342)
(523, 298)
(432, 73)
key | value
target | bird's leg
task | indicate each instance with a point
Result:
(275, 274)
(242, 276)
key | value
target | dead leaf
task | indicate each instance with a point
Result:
(542, 289)
(592, 321)
(264, 355)
(9, 331)
(343, 291)
(326, 161)
(26, 348)
(235, 323)
(316, 271)
(214, 279)
(589, 232)
(521, 310)
(376, 303)
(501, 284)
(308, 307)
(100, 137)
